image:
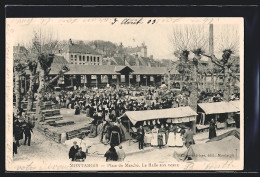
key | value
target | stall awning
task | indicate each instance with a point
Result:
(171, 113)
(218, 107)
(236, 103)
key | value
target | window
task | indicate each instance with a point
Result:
(87, 58)
(91, 58)
(61, 80)
(71, 56)
(80, 58)
(83, 58)
(94, 59)
(97, 59)
(83, 63)
(75, 56)
(82, 78)
(71, 62)
(80, 63)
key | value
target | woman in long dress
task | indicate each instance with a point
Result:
(212, 129)
(172, 136)
(154, 141)
(179, 141)
(162, 131)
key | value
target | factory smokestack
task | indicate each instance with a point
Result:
(211, 44)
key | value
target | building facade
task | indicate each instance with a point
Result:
(80, 54)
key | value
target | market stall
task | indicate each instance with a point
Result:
(222, 112)
(150, 118)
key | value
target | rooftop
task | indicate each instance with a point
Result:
(107, 69)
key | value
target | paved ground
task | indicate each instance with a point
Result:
(45, 149)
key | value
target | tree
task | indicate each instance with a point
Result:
(20, 57)
(228, 43)
(194, 39)
(187, 39)
(38, 64)
(18, 71)
(44, 45)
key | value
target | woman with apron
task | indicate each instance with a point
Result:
(154, 141)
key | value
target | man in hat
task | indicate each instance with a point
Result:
(73, 150)
(80, 156)
(140, 137)
(188, 136)
(27, 133)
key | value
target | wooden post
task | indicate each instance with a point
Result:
(129, 131)
(96, 81)
(25, 87)
(85, 80)
(71, 81)
(129, 83)
(117, 81)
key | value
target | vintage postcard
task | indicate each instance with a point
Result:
(114, 94)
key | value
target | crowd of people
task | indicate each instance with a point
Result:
(165, 135)
(77, 154)
(22, 129)
(108, 102)
(105, 106)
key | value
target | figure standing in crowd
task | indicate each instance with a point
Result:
(212, 129)
(105, 134)
(27, 133)
(80, 156)
(115, 137)
(121, 154)
(161, 136)
(77, 109)
(111, 154)
(179, 141)
(162, 130)
(166, 133)
(140, 137)
(188, 137)
(73, 150)
(172, 136)
(18, 131)
(154, 141)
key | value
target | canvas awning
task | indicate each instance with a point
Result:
(236, 103)
(218, 107)
(171, 113)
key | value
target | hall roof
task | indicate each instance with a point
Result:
(107, 69)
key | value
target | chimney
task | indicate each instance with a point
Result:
(136, 60)
(211, 44)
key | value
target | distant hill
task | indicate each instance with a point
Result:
(107, 48)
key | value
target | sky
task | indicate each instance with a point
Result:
(156, 37)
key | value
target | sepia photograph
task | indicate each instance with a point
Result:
(124, 94)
